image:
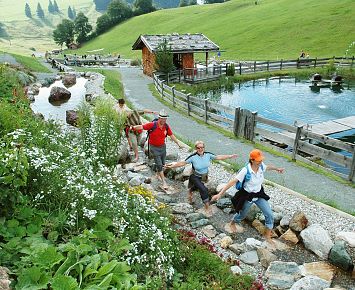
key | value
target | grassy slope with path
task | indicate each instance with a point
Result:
(24, 33)
(272, 30)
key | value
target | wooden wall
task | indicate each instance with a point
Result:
(148, 60)
(188, 60)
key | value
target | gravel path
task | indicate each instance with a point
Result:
(297, 178)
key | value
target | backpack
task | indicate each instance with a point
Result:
(240, 184)
(155, 125)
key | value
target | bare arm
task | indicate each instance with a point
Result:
(223, 157)
(138, 127)
(278, 169)
(175, 140)
(176, 164)
(230, 183)
(148, 111)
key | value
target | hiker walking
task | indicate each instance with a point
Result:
(133, 119)
(200, 161)
(251, 176)
(158, 130)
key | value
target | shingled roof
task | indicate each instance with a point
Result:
(179, 43)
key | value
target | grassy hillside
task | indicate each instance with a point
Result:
(24, 33)
(273, 29)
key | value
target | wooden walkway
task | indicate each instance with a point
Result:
(334, 126)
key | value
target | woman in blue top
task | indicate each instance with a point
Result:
(200, 161)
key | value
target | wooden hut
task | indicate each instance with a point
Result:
(183, 47)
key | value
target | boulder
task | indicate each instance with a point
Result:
(317, 240)
(323, 270)
(290, 236)
(310, 283)
(339, 257)
(4, 279)
(209, 231)
(282, 275)
(298, 222)
(250, 258)
(58, 95)
(69, 80)
(71, 117)
(349, 237)
(226, 242)
(265, 257)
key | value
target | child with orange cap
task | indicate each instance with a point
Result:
(252, 191)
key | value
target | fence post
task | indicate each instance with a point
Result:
(281, 64)
(240, 68)
(168, 78)
(253, 118)
(315, 62)
(173, 92)
(162, 89)
(352, 62)
(179, 76)
(267, 65)
(352, 168)
(188, 104)
(295, 145)
(236, 121)
(298, 63)
(254, 65)
(206, 110)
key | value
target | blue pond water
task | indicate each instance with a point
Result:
(287, 100)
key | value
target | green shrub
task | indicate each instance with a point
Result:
(230, 69)
(136, 62)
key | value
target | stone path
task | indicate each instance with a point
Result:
(297, 178)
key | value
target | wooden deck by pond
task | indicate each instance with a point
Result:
(334, 126)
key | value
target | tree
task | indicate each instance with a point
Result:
(74, 12)
(70, 13)
(50, 7)
(143, 6)
(28, 11)
(183, 3)
(103, 23)
(164, 58)
(118, 11)
(64, 33)
(193, 2)
(101, 5)
(55, 6)
(82, 27)
(40, 12)
(3, 32)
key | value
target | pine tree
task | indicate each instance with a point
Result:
(28, 11)
(40, 12)
(50, 7)
(55, 5)
(74, 12)
(70, 13)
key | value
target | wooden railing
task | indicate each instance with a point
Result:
(195, 75)
(248, 125)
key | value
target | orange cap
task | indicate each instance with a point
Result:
(256, 155)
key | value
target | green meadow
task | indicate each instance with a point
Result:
(26, 35)
(274, 29)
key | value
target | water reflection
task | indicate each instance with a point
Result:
(56, 111)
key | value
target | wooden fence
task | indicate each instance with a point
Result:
(248, 125)
(196, 75)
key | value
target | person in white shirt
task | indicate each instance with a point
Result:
(252, 191)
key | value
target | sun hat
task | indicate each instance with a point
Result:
(163, 114)
(256, 155)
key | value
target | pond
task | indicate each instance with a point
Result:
(57, 112)
(288, 100)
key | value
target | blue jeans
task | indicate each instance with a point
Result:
(264, 207)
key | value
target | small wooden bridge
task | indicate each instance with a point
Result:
(334, 126)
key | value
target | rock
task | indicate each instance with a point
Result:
(349, 237)
(277, 208)
(69, 80)
(191, 217)
(290, 236)
(211, 187)
(298, 222)
(282, 275)
(236, 270)
(124, 157)
(229, 193)
(137, 180)
(277, 217)
(224, 202)
(131, 174)
(339, 257)
(187, 170)
(280, 230)
(228, 210)
(253, 211)
(4, 279)
(322, 270)
(71, 117)
(250, 258)
(252, 244)
(317, 240)
(58, 95)
(162, 197)
(172, 156)
(310, 283)
(285, 221)
(199, 223)
(183, 208)
(209, 231)
(259, 226)
(226, 242)
(265, 257)
(237, 248)
(275, 246)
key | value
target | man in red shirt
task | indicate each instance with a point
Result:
(158, 131)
